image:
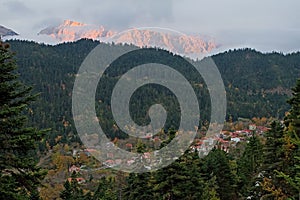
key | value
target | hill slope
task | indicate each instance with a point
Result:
(256, 84)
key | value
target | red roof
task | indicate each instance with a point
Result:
(74, 168)
(110, 161)
(91, 150)
(80, 179)
(129, 145)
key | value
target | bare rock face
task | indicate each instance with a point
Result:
(6, 32)
(188, 45)
(71, 31)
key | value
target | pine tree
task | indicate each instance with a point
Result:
(66, 194)
(180, 180)
(105, 190)
(210, 190)
(138, 187)
(291, 145)
(292, 121)
(249, 166)
(19, 174)
(216, 163)
(273, 153)
(72, 191)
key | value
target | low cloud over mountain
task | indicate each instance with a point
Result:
(188, 45)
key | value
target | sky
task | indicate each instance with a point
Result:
(266, 25)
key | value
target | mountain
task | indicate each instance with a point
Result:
(188, 45)
(6, 32)
(257, 84)
(70, 31)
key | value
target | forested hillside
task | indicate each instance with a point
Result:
(262, 164)
(256, 84)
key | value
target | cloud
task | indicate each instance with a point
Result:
(231, 20)
(17, 8)
(124, 14)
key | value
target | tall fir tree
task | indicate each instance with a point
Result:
(72, 191)
(106, 189)
(273, 159)
(180, 180)
(249, 166)
(210, 190)
(292, 120)
(139, 186)
(216, 163)
(19, 174)
(291, 173)
(272, 151)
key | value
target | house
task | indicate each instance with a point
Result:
(74, 152)
(74, 168)
(109, 163)
(91, 150)
(130, 162)
(252, 127)
(79, 180)
(236, 140)
(128, 146)
(147, 155)
(148, 136)
(262, 129)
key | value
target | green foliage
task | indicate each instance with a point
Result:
(216, 163)
(139, 186)
(180, 180)
(274, 160)
(210, 190)
(293, 119)
(256, 84)
(106, 190)
(281, 167)
(292, 145)
(249, 166)
(140, 147)
(72, 191)
(67, 193)
(19, 175)
(273, 149)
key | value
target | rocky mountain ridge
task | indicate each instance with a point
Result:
(6, 32)
(188, 45)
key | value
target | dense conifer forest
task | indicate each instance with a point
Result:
(42, 156)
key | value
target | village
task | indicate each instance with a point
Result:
(82, 172)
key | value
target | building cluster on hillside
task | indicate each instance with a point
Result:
(224, 140)
(227, 139)
(76, 170)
